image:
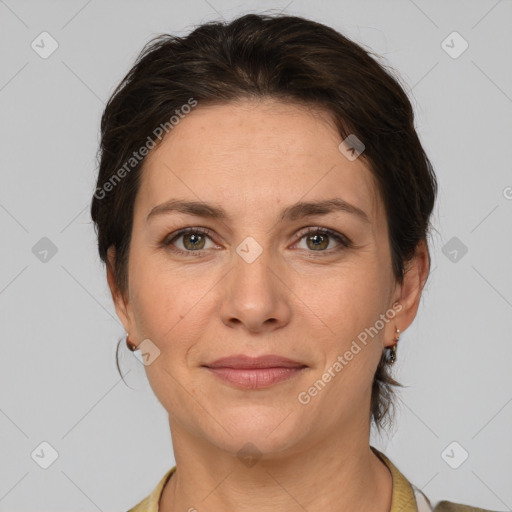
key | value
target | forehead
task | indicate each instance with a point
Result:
(253, 153)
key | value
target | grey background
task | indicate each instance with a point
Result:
(58, 379)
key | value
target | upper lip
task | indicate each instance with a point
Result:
(248, 362)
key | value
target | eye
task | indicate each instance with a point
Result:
(192, 240)
(318, 239)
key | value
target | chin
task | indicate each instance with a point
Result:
(252, 431)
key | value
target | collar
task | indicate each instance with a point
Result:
(403, 493)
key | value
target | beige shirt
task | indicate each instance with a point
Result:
(406, 497)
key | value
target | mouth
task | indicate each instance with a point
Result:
(246, 372)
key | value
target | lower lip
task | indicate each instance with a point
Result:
(255, 378)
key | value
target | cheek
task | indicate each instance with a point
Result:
(349, 305)
(346, 299)
(169, 306)
(154, 299)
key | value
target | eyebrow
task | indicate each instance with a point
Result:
(294, 212)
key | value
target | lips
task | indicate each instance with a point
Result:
(251, 373)
(250, 363)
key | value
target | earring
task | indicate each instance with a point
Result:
(390, 355)
(131, 346)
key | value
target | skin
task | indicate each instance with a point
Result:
(294, 300)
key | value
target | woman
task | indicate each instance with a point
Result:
(262, 207)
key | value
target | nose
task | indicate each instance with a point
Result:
(255, 296)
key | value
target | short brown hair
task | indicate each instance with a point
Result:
(283, 57)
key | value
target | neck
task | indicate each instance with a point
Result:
(338, 473)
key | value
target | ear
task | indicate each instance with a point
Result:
(409, 292)
(120, 302)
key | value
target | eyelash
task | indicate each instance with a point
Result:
(344, 241)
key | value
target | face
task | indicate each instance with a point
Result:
(261, 279)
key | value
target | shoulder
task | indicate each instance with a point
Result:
(150, 503)
(448, 506)
(405, 493)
